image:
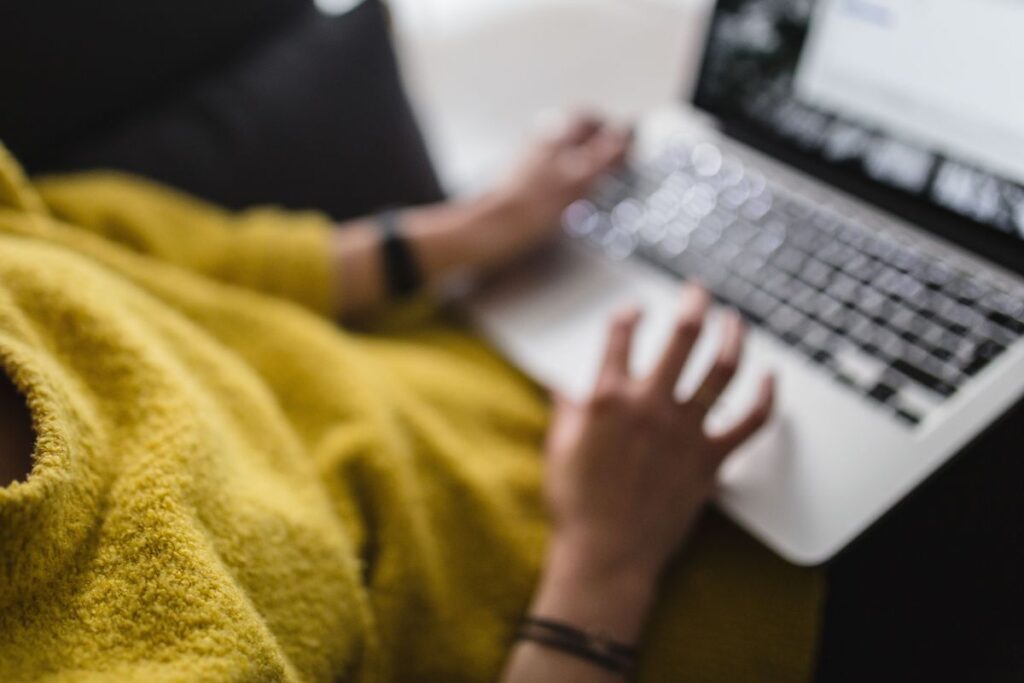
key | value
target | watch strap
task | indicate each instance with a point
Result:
(402, 272)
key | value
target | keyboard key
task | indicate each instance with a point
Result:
(937, 275)
(862, 268)
(1010, 322)
(758, 305)
(901, 318)
(787, 323)
(837, 254)
(984, 353)
(875, 305)
(795, 211)
(908, 417)
(827, 223)
(724, 252)
(924, 377)
(1006, 304)
(881, 392)
(843, 288)
(766, 243)
(960, 318)
(833, 313)
(917, 400)
(862, 331)
(966, 290)
(819, 338)
(888, 345)
(805, 300)
(880, 248)
(704, 239)
(806, 238)
(907, 288)
(757, 208)
(749, 265)
(735, 290)
(904, 259)
(712, 276)
(858, 368)
(743, 232)
(942, 342)
(887, 281)
(789, 259)
(816, 274)
(996, 333)
(782, 286)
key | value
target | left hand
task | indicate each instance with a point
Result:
(555, 172)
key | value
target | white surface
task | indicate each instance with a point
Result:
(942, 73)
(482, 72)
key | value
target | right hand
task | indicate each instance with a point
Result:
(630, 469)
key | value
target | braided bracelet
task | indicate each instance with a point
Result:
(598, 650)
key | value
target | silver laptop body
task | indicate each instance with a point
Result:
(860, 216)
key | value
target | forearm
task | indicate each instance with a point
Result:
(521, 213)
(612, 605)
(444, 238)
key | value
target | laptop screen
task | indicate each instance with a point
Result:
(916, 106)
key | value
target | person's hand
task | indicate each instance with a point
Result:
(630, 469)
(526, 207)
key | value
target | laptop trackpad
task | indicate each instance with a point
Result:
(551, 318)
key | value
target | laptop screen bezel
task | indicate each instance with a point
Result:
(976, 237)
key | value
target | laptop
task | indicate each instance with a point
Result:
(849, 175)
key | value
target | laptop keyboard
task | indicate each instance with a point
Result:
(899, 327)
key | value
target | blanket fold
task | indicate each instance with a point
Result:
(228, 487)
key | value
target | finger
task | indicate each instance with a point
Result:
(610, 145)
(560, 428)
(609, 153)
(724, 367)
(684, 335)
(615, 366)
(603, 152)
(732, 438)
(577, 130)
(560, 401)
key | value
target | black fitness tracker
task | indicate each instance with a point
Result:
(401, 271)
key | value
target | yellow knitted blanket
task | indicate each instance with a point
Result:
(228, 487)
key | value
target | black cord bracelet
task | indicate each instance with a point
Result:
(401, 271)
(598, 650)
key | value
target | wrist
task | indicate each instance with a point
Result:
(449, 239)
(611, 601)
(584, 557)
(493, 229)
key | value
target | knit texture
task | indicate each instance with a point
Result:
(226, 486)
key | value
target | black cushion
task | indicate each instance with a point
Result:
(312, 116)
(68, 67)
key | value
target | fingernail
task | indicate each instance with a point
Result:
(630, 311)
(693, 291)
